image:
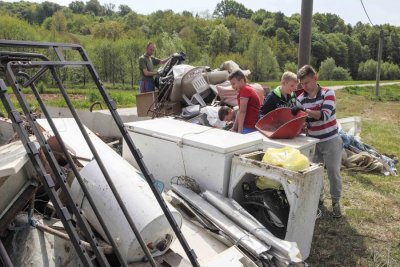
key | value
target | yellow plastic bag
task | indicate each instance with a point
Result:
(264, 183)
(286, 157)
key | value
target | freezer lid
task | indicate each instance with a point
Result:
(166, 128)
(12, 158)
(221, 141)
(298, 142)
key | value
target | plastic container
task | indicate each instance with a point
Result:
(280, 123)
(301, 188)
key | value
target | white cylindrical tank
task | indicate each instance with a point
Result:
(139, 201)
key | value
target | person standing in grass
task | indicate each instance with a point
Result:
(281, 96)
(248, 101)
(146, 66)
(320, 105)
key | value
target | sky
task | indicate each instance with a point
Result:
(351, 11)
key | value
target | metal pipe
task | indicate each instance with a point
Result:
(4, 256)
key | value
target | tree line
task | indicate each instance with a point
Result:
(264, 42)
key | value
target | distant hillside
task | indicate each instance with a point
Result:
(264, 42)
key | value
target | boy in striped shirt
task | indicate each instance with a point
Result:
(320, 105)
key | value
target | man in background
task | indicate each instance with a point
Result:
(147, 62)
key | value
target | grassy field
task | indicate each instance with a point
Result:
(369, 233)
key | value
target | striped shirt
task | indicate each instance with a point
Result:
(325, 127)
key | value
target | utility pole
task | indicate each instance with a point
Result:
(305, 33)
(378, 67)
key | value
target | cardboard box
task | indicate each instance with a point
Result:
(144, 102)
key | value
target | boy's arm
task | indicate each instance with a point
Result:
(242, 113)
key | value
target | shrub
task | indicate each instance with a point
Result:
(326, 69)
(340, 74)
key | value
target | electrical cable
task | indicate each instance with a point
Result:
(366, 13)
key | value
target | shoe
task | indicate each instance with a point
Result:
(336, 212)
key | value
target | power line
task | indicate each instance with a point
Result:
(366, 12)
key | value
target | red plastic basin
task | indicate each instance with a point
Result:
(280, 123)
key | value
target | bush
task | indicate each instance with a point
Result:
(326, 69)
(390, 71)
(290, 66)
(340, 74)
(367, 70)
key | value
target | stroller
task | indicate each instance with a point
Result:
(165, 80)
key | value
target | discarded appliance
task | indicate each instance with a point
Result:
(301, 188)
(200, 152)
(280, 123)
(305, 144)
(133, 189)
(17, 181)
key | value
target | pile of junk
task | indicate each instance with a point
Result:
(193, 93)
(181, 194)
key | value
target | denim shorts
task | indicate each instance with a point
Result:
(146, 86)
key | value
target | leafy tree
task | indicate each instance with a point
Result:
(219, 40)
(77, 7)
(109, 9)
(260, 15)
(170, 44)
(267, 28)
(94, 7)
(329, 23)
(59, 22)
(231, 7)
(193, 52)
(111, 30)
(16, 29)
(236, 57)
(132, 50)
(45, 10)
(80, 24)
(132, 20)
(262, 63)
(124, 10)
(240, 31)
(282, 46)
